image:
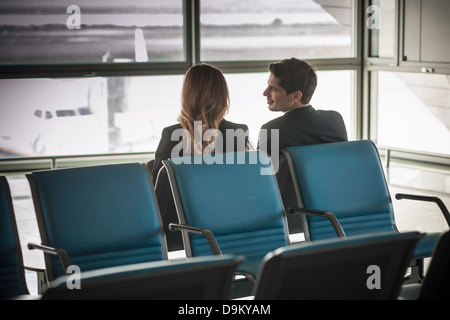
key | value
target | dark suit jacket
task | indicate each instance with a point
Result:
(302, 126)
(305, 126)
(166, 145)
(161, 180)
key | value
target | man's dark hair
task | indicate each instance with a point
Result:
(295, 74)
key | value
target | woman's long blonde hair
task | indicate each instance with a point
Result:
(204, 98)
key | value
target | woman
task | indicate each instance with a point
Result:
(205, 101)
(204, 104)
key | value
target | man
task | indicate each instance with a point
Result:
(290, 87)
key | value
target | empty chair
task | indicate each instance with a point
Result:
(96, 217)
(228, 206)
(436, 283)
(207, 278)
(12, 273)
(345, 180)
(353, 268)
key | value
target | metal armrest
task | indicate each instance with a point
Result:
(325, 214)
(439, 202)
(206, 232)
(37, 270)
(41, 278)
(61, 253)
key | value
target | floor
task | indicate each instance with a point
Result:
(410, 215)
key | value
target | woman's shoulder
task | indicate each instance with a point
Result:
(172, 128)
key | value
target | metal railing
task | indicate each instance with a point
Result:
(52, 162)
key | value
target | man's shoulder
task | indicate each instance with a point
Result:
(274, 123)
(331, 114)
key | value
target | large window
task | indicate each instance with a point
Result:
(414, 111)
(266, 30)
(85, 31)
(105, 77)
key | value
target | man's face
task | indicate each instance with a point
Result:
(277, 99)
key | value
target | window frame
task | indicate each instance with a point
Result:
(371, 65)
(363, 65)
(369, 60)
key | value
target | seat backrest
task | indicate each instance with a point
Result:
(436, 284)
(236, 198)
(12, 272)
(206, 278)
(347, 179)
(359, 267)
(102, 216)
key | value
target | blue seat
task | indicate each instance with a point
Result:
(12, 272)
(346, 181)
(231, 206)
(206, 278)
(351, 268)
(436, 284)
(96, 217)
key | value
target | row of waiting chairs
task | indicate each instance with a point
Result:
(104, 217)
(347, 179)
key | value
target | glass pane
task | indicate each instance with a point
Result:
(48, 31)
(248, 105)
(381, 22)
(274, 30)
(86, 116)
(414, 111)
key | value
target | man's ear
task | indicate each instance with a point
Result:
(298, 95)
